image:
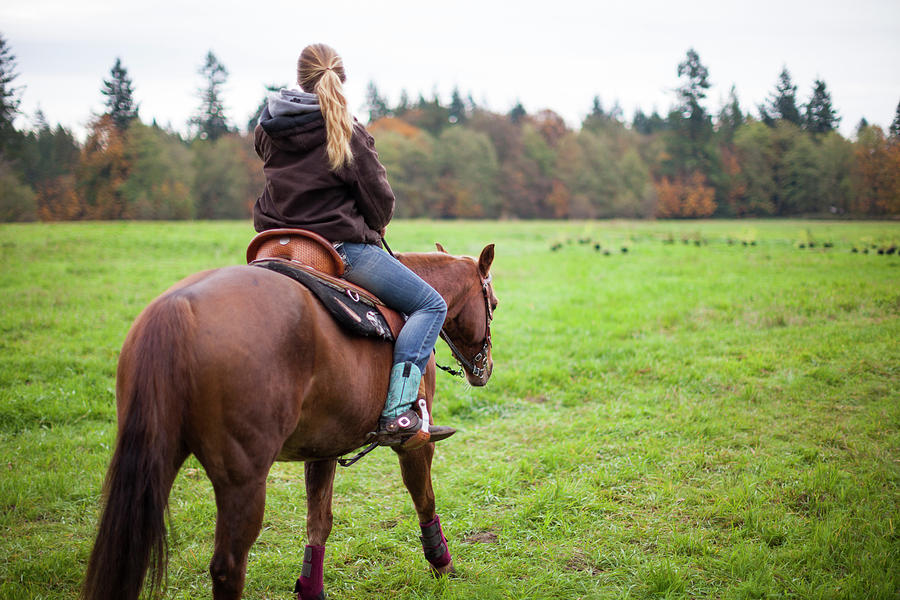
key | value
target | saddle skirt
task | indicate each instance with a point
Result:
(311, 261)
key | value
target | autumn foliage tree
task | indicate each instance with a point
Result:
(878, 170)
(102, 171)
(460, 160)
(685, 198)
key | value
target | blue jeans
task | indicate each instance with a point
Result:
(372, 268)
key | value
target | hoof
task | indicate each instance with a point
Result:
(445, 571)
(298, 589)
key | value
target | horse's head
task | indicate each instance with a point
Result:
(465, 284)
(470, 308)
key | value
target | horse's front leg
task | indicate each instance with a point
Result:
(319, 487)
(415, 466)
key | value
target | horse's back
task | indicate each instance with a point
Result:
(273, 374)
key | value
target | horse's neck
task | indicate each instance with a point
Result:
(449, 275)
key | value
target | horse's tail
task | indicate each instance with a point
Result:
(154, 384)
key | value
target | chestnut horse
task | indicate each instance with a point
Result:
(242, 366)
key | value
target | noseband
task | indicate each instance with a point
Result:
(478, 363)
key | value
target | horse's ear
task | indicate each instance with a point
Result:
(440, 248)
(485, 260)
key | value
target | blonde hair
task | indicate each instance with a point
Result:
(321, 71)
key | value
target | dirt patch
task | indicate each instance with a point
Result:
(481, 537)
(579, 562)
(536, 399)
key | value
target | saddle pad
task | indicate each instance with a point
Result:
(359, 313)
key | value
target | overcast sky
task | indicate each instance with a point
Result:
(555, 54)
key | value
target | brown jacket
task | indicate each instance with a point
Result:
(351, 204)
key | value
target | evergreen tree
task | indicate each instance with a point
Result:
(9, 97)
(616, 113)
(689, 139)
(210, 120)
(457, 108)
(517, 113)
(640, 122)
(655, 122)
(40, 120)
(597, 117)
(894, 131)
(119, 94)
(403, 106)
(376, 103)
(597, 108)
(471, 105)
(783, 103)
(48, 154)
(648, 124)
(691, 93)
(730, 117)
(429, 115)
(862, 125)
(820, 115)
(600, 119)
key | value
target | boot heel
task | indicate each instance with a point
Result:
(416, 440)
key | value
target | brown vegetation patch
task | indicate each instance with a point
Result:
(192, 473)
(580, 563)
(481, 537)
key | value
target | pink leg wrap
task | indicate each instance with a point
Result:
(434, 544)
(310, 584)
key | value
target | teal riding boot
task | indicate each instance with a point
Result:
(399, 424)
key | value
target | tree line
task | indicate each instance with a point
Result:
(460, 160)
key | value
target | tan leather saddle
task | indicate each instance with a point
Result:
(310, 252)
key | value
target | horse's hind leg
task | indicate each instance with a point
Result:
(238, 522)
(415, 466)
(319, 477)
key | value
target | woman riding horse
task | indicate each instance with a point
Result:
(323, 175)
(241, 367)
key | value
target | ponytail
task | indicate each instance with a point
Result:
(320, 70)
(338, 124)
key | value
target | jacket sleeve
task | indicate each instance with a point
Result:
(259, 140)
(374, 196)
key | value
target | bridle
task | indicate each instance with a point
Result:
(478, 363)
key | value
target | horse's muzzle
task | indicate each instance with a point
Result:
(481, 381)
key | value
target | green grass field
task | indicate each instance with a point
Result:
(714, 413)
